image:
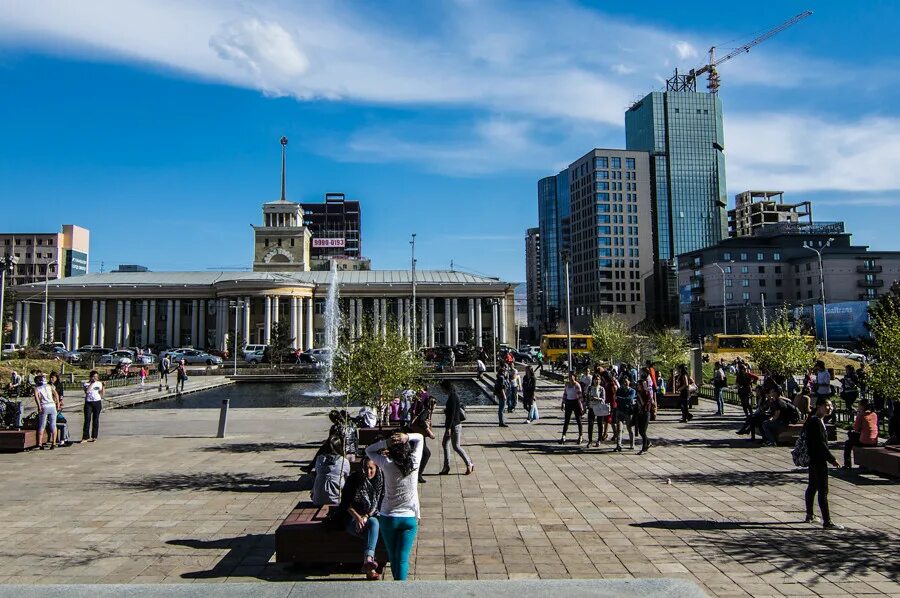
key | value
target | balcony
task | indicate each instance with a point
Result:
(873, 269)
(870, 284)
(864, 297)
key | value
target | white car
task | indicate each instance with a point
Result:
(11, 348)
(529, 350)
(193, 356)
(117, 357)
(254, 357)
(849, 354)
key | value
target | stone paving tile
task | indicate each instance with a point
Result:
(157, 502)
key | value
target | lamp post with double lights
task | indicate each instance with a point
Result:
(822, 287)
(565, 258)
(47, 335)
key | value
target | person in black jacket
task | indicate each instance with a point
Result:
(819, 458)
(360, 500)
(453, 429)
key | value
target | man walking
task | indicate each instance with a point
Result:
(164, 365)
(501, 386)
(819, 458)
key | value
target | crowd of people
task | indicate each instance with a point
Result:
(380, 500)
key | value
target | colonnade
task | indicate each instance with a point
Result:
(211, 322)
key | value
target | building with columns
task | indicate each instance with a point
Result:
(204, 309)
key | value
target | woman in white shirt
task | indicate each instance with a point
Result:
(571, 404)
(47, 400)
(399, 459)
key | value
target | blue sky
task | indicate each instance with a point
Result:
(156, 123)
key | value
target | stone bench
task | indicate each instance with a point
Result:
(879, 459)
(790, 434)
(306, 539)
(17, 440)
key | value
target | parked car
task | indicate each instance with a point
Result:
(319, 355)
(11, 349)
(254, 357)
(850, 355)
(529, 350)
(123, 356)
(253, 349)
(88, 354)
(170, 352)
(194, 356)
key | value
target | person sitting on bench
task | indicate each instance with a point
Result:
(360, 502)
(864, 432)
(332, 468)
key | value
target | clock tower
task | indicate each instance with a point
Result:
(282, 243)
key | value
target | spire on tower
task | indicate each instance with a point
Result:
(284, 142)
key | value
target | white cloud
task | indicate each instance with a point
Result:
(795, 152)
(622, 69)
(685, 50)
(265, 50)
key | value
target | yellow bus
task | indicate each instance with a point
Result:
(554, 346)
(738, 343)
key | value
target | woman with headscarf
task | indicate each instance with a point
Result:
(356, 513)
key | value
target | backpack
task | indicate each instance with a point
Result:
(795, 412)
(800, 452)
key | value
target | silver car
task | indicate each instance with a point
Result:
(194, 356)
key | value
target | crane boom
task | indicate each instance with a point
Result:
(709, 68)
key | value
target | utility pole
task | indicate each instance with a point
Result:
(414, 330)
(822, 289)
(6, 263)
(565, 257)
(47, 334)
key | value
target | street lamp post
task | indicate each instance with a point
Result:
(413, 328)
(238, 304)
(47, 334)
(822, 288)
(6, 263)
(565, 257)
(724, 298)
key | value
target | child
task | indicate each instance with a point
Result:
(143, 374)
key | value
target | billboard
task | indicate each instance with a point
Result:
(75, 263)
(846, 320)
(324, 242)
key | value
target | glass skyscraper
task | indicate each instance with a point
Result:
(682, 130)
(554, 224)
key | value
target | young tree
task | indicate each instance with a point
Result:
(670, 350)
(371, 368)
(884, 323)
(611, 335)
(783, 351)
(279, 342)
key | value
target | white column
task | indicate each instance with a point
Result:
(502, 321)
(407, 320)
(101, 323)
(400, 324)
(454, 314)
(471, 321)
(226, 324)
(151, 323)
(201, 323)
(309, 323)
(17, 324)
(176, 326)
(448, 337)
(76, 324)
(41, 334)
(69, 321)
(359, 316)
(94, 321)
(26, 320)
(494, 327)
(245, 321)
(301, 342)
(51, 321)
(479, 342)
(267, 320)
(384, 316)
(430, 321)
(126, 324)
(376, 324)
(170, 319)
(118, 325)
(423, 309)
(145, 323)
(195, 324)
(295, 332)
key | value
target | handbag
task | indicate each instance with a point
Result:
(462, 413)
(601, 409)
(800, 452)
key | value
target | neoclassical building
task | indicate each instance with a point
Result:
(171, 309)
(205, 309)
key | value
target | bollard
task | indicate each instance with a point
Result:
(223, 419)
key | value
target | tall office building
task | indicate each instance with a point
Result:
(534, 294)
(682, 131)
(611, 237)
(46, 256)
(335, 225)
(553, 217)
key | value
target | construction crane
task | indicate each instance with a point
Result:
(689, 82)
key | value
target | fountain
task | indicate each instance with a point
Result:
(332, 338)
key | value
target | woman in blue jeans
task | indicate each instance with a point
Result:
(360, 500)
(399, 459)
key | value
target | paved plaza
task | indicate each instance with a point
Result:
(160, 500)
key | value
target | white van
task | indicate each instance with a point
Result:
(253, 349)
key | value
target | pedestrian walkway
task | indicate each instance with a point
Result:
(158, 499)
(134, 394)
